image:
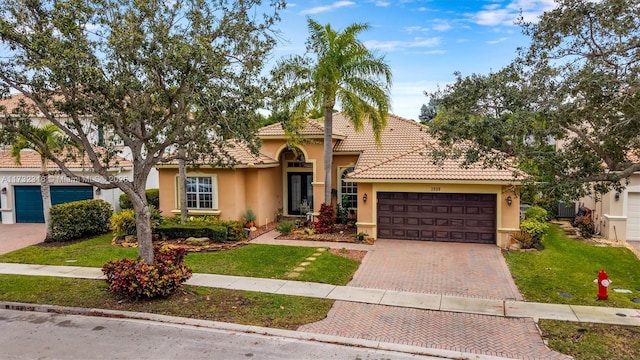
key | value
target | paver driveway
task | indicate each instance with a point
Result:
(473, 270)
(17, 236)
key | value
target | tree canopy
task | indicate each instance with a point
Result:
(575, 86)
(151, 75)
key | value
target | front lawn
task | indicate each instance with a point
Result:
(564, 271)
(242, 307)
(264, 261)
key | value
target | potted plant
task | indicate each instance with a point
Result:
(361, 235)
(249, 218)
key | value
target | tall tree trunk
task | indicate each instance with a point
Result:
(143, 224)
(182, 185)
(328, 152)
(45, 190)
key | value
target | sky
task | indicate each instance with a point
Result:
(423, 41)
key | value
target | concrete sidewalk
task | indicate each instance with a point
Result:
(403, 299)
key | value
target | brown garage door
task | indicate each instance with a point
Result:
(437, 217)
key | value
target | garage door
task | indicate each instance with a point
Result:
(633, 216)
(437, 217)
(28, 200)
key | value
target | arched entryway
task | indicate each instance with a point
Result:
(297, 175)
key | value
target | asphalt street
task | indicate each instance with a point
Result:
(35, 335)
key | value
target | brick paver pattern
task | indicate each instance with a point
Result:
(471, 333)
(445, 268)
(472, 270)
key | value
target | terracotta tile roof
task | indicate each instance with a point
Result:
(12, 102)
(311, 128)
(242, 155)
(30, 159)
(418, 164)
(403, 153)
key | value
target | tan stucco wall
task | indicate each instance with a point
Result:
(507, 218)
(609, 214)
(238, 190)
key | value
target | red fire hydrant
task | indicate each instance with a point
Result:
(603, 284)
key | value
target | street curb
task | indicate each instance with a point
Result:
(250, 329)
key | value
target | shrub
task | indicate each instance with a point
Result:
(123, 223)
(524, 238)
(235, 229)
(77, 219)
(586, 226)
(153, 199)
(326, 219)
(249, 217)
(215, 233)
(135, 279)
(536, 213)
(285, 227)
(534, 228)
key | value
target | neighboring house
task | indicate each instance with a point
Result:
(20, 196)
(617, 215)
(395, 187)
(97, 136)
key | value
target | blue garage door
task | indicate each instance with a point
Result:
(28, 200)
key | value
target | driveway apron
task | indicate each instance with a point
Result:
(472, 270)
(18, 236)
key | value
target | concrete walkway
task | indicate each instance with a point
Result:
(402, 299)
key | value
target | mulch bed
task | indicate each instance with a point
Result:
(341, 233)
(356, 255)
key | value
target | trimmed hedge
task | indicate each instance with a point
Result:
(123, 223)
(79, 219)
(235, 228)
(153, 198)
(215, 233)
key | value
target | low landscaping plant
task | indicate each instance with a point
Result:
(215, 233)
(135, 279)
(586, 226)
(235, 228)
(285, 227)
(326, 219)
(123, 223)
(537, 213)
(79, 219)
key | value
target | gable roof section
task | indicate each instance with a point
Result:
(242, 155)
(418, 164)
(30, 159)
(311, 128)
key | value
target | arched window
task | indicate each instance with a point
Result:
(348, 189)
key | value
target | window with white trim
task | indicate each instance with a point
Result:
(350, 189)
(202, 192)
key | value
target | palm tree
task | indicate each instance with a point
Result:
(47, 138)
(341, 71)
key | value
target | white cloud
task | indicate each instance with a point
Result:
(495, 14)
(380, 3)
(398, 45)
(322, 9)
(441, 25)
(412, 29)
(408, 97)
(497, 41)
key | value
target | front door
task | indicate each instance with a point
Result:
(300, 190)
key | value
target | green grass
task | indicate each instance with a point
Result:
(592, 341)
(242, 307)
(264, 261)
(569, 266)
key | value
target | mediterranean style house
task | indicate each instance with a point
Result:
(395, 188)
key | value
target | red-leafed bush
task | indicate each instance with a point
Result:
(135, 279)
(326, 219)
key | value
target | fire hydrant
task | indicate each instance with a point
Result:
(603, 283)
